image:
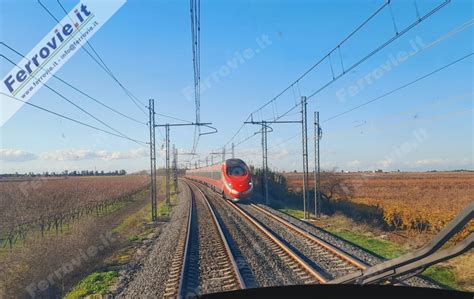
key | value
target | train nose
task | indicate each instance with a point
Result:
(241, 186)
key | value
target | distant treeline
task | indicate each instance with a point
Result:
(67, 173)
(159, 171)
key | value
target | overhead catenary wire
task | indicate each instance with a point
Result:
(74, 120)
(173, 117)
(78, 90)
(102, 65)
(91, 97)
(71, 102)
(195, 13)
(296, 82)
(354, 65)
(403, 86)
(400, 87)
(337, 47)
(134, 98)
(375, 51)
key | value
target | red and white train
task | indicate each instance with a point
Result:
(231, 178)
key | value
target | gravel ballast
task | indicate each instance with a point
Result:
(318, 257)
(149, 281)
(211, 259)
(266, 266)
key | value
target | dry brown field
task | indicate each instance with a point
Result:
(427, 200)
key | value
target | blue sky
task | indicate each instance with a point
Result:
(147, 44)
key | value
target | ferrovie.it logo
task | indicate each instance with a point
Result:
(52, 52)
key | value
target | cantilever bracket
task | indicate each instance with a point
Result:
(214, 130)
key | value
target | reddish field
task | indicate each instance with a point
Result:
(408, 200)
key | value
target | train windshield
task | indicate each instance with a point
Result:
(236, 171)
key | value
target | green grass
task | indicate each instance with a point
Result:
(164, 209)
(389, 250)
(134, 220)
(135, 238)
(95, 283)
(383, 248)
(293, 212)
(443, 275)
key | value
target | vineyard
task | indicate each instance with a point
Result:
(407, 201)
(46, 204)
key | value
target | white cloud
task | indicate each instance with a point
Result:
(250, 152)
(354, 164)
(131, 154)
(385, 164)
(329, 166)
(82, 154)
(68, 155)
(16, 155)
(425, 162)
(280, 154)
(440, 162)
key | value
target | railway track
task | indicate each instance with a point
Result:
(333, 261)
(313, 259)
(173, 285)
(306, 273)
(292, 260)
(203, 262)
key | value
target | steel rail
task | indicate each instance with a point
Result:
(174, 285)
(348, 258)
(186, 247)
(238, 276)
(306, 267)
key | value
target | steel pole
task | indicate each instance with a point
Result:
(304, 128)
(265, 162)
(151, 110)
(167, 145)
(175, 169)
(317, 170)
